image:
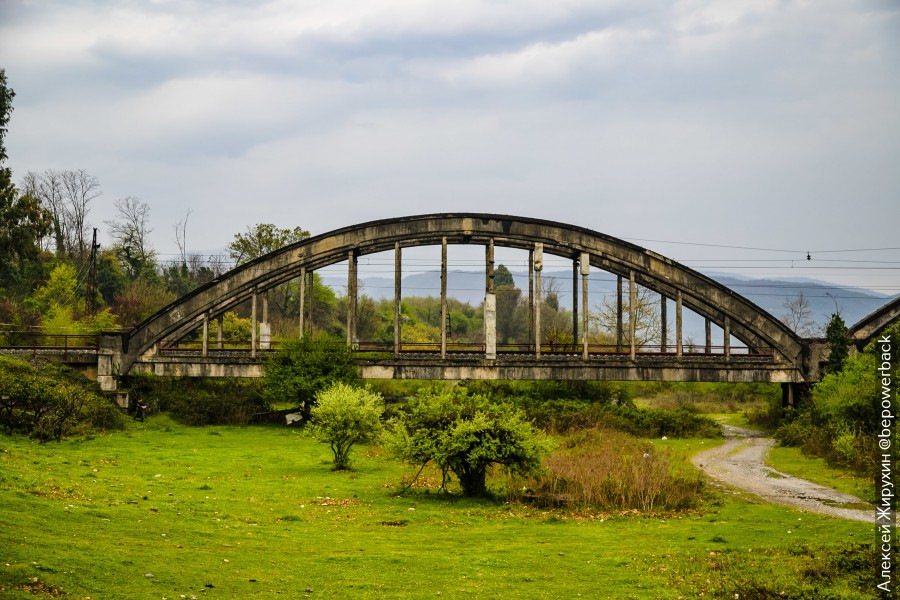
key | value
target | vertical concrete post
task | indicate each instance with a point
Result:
(727, 341)
(531, 296)
(708, 326)
(663, 323)
(444, 297)
(265, 328)
(585, 262)
(311, 296)
(490, 304)
(398, 274)
(253, 324)
(632, 326)
(205, 343)
(220, 333)
(538, 267)
(575, 304)
(620, 329)
(302, 300)
(351, 298)
(679, 348)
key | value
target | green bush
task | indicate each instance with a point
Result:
(224, 401)
(345, 415)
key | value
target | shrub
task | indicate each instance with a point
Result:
(345, 415)
(225, 401)
(467, 434)
(301, 368)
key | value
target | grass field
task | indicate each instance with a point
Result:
(166, 511)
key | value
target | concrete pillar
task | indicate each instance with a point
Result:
(351, 298)
(632, 325)
(708, 326)
(531, 297)
(398, 275)
(663, 323)
(443, 297)
(490, 305)
(220, 333)
(311, 296)
(538, 267)
(620, 329)
(585, 271)
(302, 299)
(265, 328)
(205, 343)
(574, 304)
(787, 395)
(253, 324)
(727, 341)
(679, 348)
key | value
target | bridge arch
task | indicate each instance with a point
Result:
(729, 310)
(865, 330)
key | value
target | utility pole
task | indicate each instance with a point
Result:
(92, 276)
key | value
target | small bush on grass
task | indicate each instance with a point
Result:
(345, 415)
(610, 470)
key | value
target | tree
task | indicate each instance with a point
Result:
(647, 320)
(511, 321)
(65, 196)
(302, 368)
(22, 223)
(797, 316)
(345, 415)
(466, 434)
(839, 340)
(129, 231)
(262, 239)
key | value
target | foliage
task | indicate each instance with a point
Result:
(302, 368)
(200, 402)
(838, 338)
(467, 434)
(139, 300)
(261, 239)
(129, 231)
(63, 308)
(345, 415)
(48, 401)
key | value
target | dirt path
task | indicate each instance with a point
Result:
(739, 462)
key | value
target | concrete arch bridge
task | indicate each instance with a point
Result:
(755, 346)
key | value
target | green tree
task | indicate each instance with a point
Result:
(262, 239)
(302, 368)
(345, 415)
(511, 321)
(467, 434)
(839, 340)
(22, 222)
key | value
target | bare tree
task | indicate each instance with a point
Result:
(129, 231)
(798, 316)
(646, 318)
(181, 235)
(79, 188)
(48, 188)
(65, 197)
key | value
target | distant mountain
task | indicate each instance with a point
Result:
(768, 294)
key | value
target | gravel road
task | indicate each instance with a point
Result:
(740, 463)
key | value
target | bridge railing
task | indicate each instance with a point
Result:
(382, 349)
(40, 342)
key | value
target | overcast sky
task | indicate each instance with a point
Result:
(758, 124)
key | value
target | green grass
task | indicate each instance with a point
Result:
(793, 462)
(230, 512)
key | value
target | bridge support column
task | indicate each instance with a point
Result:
(220, 331)
(204, 351)
(585, 271)
(663, 324)
(708, 325)
(302, 300)
(490, 305)
(443, 297)
(398, 276)
(727, 341)
(631, 312)
(265, 328)
(679, 347)
(538, 264)
(253, 323)
(531, 296)
(351, 299)
(620, 329)
(575, 304)
(311, 294)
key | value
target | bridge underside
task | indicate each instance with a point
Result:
(645, 368)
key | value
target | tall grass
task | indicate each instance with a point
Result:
(608, 469)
